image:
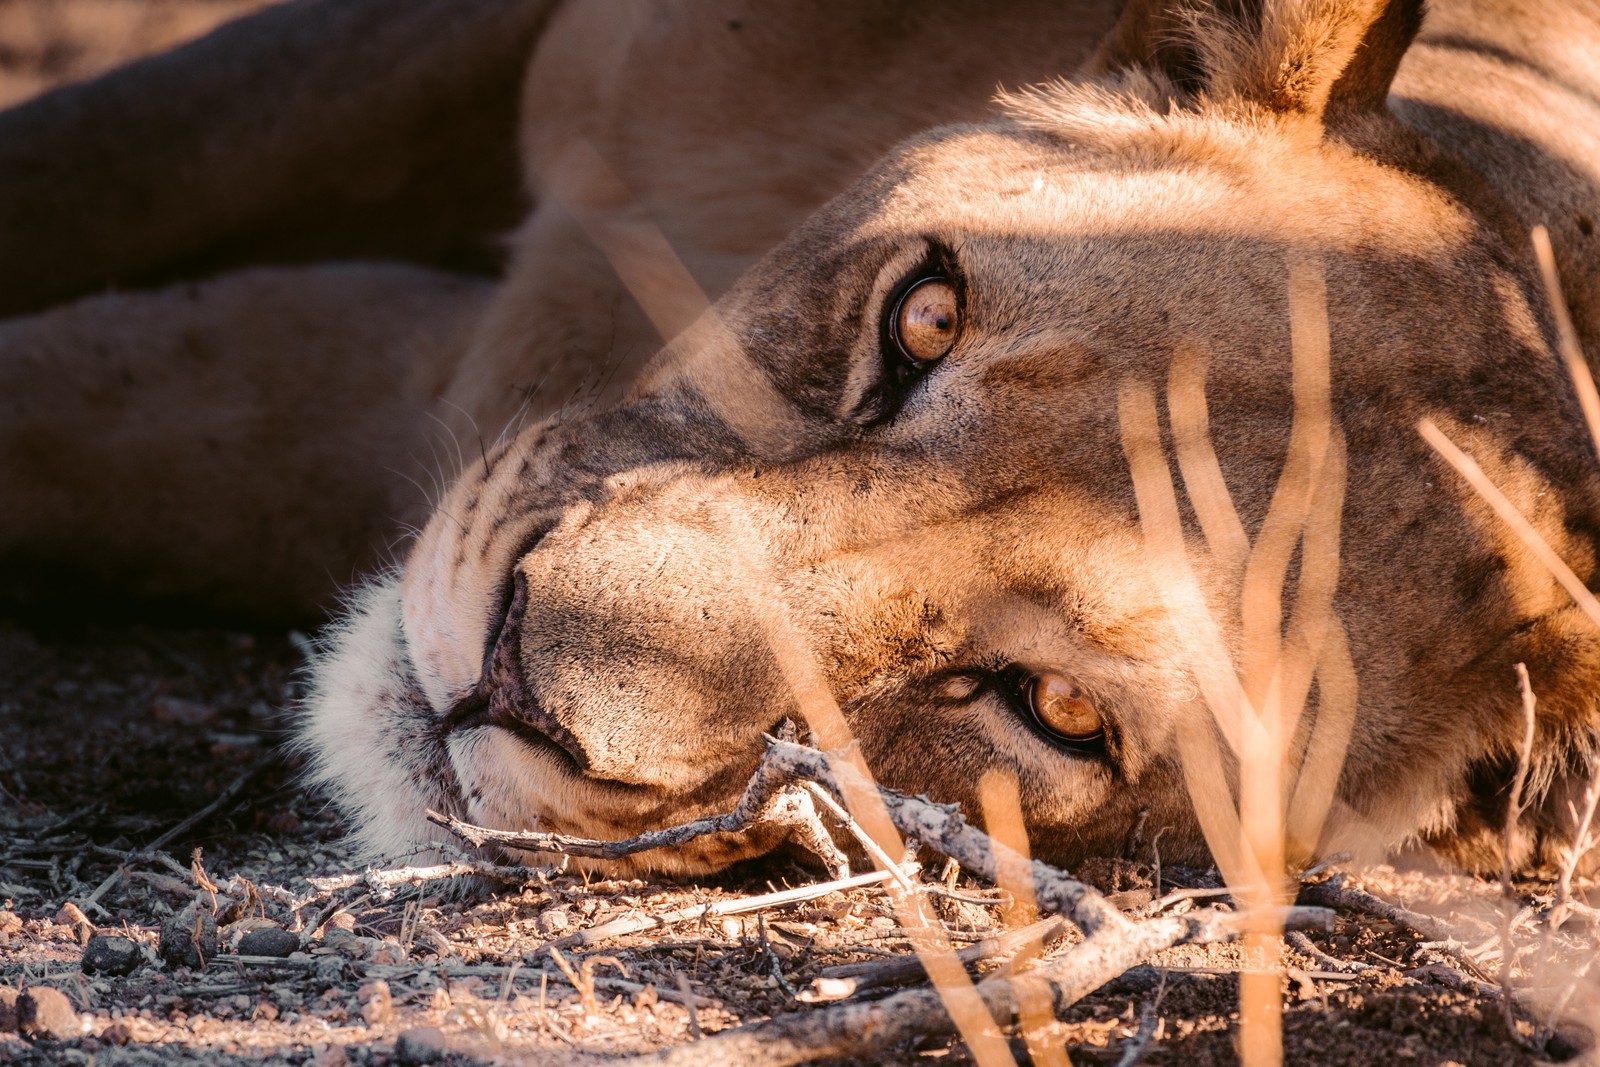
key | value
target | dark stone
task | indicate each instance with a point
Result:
(420, 1044)
(189, 938)
(269, 941)
(44, 1012)
(105, 954)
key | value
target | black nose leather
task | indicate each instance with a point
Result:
(503, 697)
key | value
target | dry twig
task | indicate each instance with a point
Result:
(382, 880)
(1514, 808)
(635, 923)
(1112, 942)
(229, 791)
(902, 970)
(771, 798)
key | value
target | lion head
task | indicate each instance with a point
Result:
(892, 471)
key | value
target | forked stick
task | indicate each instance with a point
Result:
(1112, 943)
(863, 1032)
(771, 799)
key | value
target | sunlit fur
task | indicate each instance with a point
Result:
(682, 538)
(1100, 227)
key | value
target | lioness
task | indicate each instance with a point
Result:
(892, 461)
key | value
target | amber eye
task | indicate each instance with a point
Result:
(1062, 708)
(926, 320)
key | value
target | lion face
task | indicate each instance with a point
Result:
(890, 462)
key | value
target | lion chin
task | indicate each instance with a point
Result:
(387, 757)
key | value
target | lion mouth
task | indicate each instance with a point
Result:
(504, 699)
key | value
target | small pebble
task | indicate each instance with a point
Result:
(45, 1012)
(116, 1034)
(189, 938)
(329, 1056)
(269, 941)
(180, 711)
(552, 921)
(106, 954)
(420, 1044)
(377, 1006)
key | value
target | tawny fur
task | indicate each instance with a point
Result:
(653, 542)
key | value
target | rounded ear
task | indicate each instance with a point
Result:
(1326, 59)
(1363, 85)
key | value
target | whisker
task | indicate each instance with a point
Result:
(482, 452)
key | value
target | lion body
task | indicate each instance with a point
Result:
(610, 606)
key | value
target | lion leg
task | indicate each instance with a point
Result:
(249, 443)
(309, 132)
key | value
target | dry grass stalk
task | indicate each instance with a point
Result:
(1567, 335)
(865, 803)
(1257, 709)
(1003, 820)
(1515, 805)
(1513, 519)
(1584, 839)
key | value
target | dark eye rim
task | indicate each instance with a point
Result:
(901, 368)
(1018, 683)
(892, 321)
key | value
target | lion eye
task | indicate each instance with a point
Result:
(1061, 708)
(926, 320)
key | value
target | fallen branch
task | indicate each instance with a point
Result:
(902, 970)
(636, 923)
(1304, 945)
(771, 798)
(864, 1031)
(1333, 893)
(375, 878)
(857, 1030)
(941, 827)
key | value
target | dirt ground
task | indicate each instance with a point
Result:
(114, 736)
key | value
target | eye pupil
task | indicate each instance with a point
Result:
(925, 320)
(1062, 708)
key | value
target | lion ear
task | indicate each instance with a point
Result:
(1323, 58)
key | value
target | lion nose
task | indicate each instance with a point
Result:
(638, 639)
(504, 699)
